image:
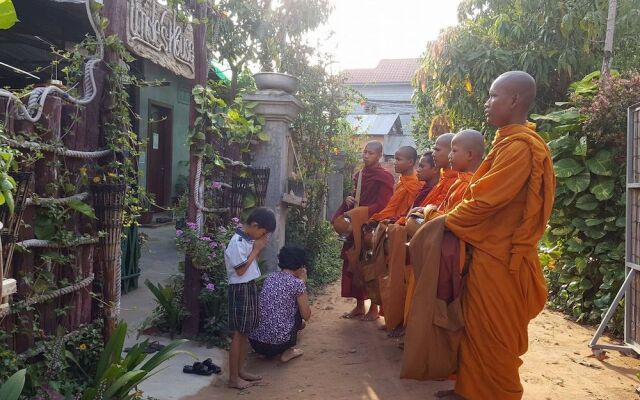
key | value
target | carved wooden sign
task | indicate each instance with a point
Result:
(155, 33)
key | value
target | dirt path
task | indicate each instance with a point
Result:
(355, 360)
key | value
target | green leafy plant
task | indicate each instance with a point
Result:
(12, 388)
(7, 183)
(116, 377)
(8, 16)
(171, 308)
(583, 249)
(494, 36)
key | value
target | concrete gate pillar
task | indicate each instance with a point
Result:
(279, 109)
(335, 183)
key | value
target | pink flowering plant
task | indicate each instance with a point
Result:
(201, 247)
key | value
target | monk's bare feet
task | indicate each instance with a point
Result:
(396, 333)
(372, 315)
(356, 312)
(448, 395)
(383, 327)
(303, 325)
(249, 377)
(240, 384)
(290, 354)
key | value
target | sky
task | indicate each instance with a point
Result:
(369, 30)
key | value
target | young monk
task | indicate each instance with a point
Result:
(503, 216)
(436, 196)
(407, 188)
(441, 151)
(467, 150)
(429, 353)
(427, 173)
(376, 190)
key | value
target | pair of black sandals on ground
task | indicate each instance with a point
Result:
(206, 368)
(151, 347)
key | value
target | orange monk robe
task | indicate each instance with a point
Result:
(439, 193)
(436, 197)
(503, 216)
(454, 196)
(403, 196)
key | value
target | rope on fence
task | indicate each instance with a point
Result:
(38, 96)
(43, 201)
(31, 243)
(42, 298)
(63, 151)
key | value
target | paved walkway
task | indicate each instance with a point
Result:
(159, 261)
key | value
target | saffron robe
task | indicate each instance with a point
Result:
(435, 323)
(402, 199)
(436, 197)
(503, 216)
(439, 193)
(377, 189)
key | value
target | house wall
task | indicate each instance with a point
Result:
(175, 96)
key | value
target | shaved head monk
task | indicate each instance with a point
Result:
(503, 215)
(406, 190)
(373, 189)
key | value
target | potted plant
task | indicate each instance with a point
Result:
(270, 54)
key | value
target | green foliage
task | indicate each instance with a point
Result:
(116, 377)
(268, 32)
(229, 123)
(556, 41)
(170, 313)
(584, 245)
(8, 16)
(7, 184)
(11, 389)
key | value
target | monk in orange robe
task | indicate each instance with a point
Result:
(436, 197)
(406, 189)
(434, 318)
(503, 216)
(393, 285)
(467, 150)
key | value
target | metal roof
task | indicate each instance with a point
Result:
(392, 143)
(375, 124)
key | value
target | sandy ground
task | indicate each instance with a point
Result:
(348, 359)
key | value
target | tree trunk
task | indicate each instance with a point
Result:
(192, 276)
(608, 40)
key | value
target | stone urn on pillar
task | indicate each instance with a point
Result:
(279, 108)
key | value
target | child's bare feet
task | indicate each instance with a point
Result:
(290, 354)
(240, 384)
(249, 377)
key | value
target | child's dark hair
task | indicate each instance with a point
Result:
(264, 218)
(292, 257)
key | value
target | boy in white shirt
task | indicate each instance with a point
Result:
(240, 258)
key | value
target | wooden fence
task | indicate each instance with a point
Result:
(73, 136)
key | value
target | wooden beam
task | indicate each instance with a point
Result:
(192, 276)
